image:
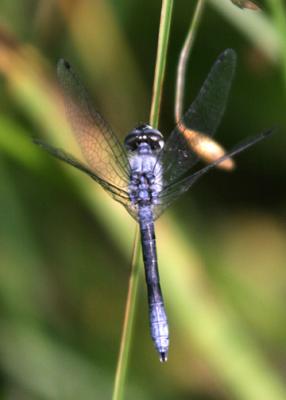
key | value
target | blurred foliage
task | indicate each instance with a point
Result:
(65, 246)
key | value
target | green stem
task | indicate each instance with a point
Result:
(279, 15)
(120, 376)
(184, 58)
(163, 40)
(121, 369)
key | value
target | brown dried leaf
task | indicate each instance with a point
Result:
(250, 5)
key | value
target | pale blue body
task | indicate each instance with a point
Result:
(145, 175)
(146, 182)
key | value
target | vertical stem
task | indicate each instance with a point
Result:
(120, 376)
(184, 58)
(206, 147)
(278, 10)
(128, 321)
(163, 40)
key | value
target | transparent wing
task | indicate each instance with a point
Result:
(116, 192)
(102, 150)
(175, 189)
(204, 116)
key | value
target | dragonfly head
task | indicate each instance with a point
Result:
(144, 134)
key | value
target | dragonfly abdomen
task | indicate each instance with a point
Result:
(157, 315)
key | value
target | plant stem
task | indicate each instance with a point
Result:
(163, 40)
(120, 376)
(184, 58)
(206, 147)
(278, 10)
(128, 321)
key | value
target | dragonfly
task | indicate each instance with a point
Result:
(146, 174)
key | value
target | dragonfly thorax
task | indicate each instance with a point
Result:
(144, 134)
(146, 176)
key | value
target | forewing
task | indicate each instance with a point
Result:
(115, 191)
(99, 145)
(174, 190)
(204, 116)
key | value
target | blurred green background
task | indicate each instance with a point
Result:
(65, 247)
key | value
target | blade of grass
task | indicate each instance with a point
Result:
(128, 322)
(256, 26)
(279, 16)
(99, 39)
(27, 351)
(210, 325)
(184, 58)
(163, 40)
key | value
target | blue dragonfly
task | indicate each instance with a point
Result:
(146, 174)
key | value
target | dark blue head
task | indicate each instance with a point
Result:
(144, 134)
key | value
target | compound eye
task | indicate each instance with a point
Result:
(131, 142)
(155, 142)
